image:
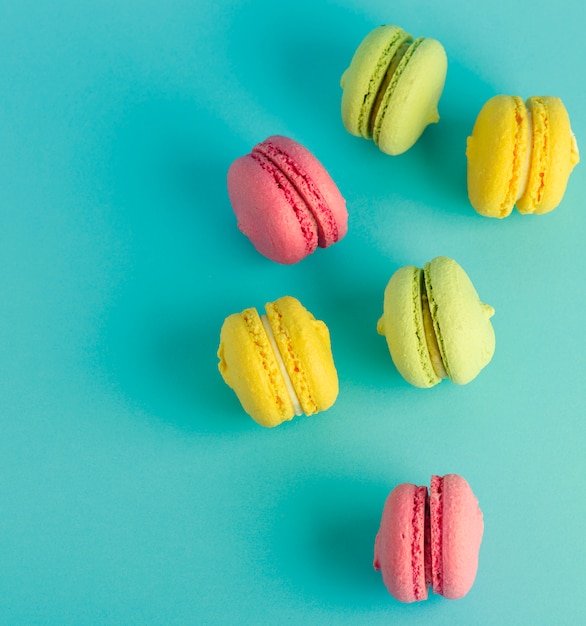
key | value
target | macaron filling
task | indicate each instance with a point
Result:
(286, 378)
(538, 148)
(394, 72)
(436, 510)
(431, 340)
(383, 88)
(323, 221)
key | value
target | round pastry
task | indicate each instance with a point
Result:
(392, 88)
(285, 201)
(520, 153)
(279, 364)
(429, 540)
(435, 324)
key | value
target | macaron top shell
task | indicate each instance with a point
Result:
(457, 526)
(285, 201)
(461, 320)
(496, 152)
(305, 347)
(399, 551)
(412, 97)
(554, 155)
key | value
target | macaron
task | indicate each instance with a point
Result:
(279, 364)
(285, 201)
(520, 153)
(435, 324)
(429, 539)
(392, 87)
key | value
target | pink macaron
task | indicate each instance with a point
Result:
(429, 540)
(285, 201)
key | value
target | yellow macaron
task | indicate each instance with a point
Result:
(520, 153)
(279, 364)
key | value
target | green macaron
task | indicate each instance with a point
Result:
(436, 325)
(392, 88)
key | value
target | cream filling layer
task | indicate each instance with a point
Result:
(288, 384)
(526, 165)
(389, 73)
(431, 339)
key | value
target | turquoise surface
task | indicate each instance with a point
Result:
(133, 489)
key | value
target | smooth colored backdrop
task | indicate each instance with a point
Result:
(133, 488)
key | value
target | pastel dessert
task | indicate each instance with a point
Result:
(285, 201)
(429, 540)
(520, 153)
(392, 88)
(435, 324)
(279, 364)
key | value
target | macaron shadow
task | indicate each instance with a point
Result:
(197, 398)
(160, 335)
(441, 150)
(299, 76)
(323, 539)
(166, 366)
(360, 353)
(434, 170)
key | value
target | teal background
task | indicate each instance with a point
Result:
(133, 489)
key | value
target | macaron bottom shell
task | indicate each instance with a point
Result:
(248, 364)
(364, 81)
(413, 96)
